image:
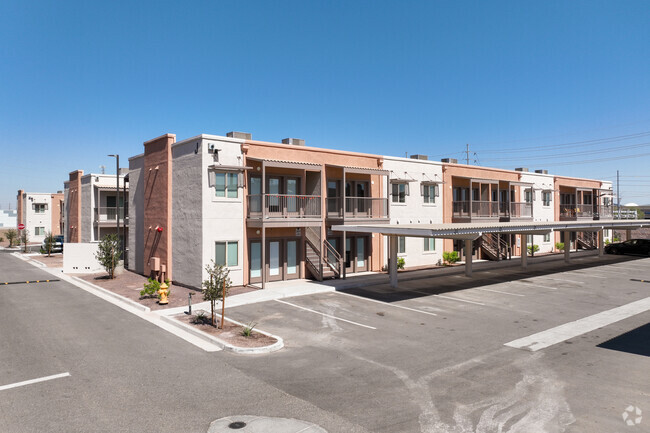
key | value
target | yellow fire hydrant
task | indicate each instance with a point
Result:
(163, 293)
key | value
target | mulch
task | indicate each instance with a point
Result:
(232, 333)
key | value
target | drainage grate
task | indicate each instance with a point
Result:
(237, 425)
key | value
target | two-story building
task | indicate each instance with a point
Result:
(40, 213)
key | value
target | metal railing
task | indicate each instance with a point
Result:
(366, 207)
(576, 211)
(109, 214)
(334, 207)
(521, 210)
(485, 208)
(284, 206)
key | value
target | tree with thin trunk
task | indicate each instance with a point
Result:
(50, 240)
(11, 236)
(24, 237)
(216, 287)
(109, 253)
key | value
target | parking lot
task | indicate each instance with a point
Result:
(432, 355)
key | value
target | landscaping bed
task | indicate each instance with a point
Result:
(231, 334)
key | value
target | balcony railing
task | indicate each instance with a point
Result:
(575, 211)
(366, 207)
(284, 206)
(492, 209)
(521, 210)
(485, 209)
(109, 214)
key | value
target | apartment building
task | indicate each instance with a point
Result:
(263, 209)
(92, 207)
(40, 213)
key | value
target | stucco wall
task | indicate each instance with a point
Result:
(414, 210)
(223, 218)
(187, 235)
(73, 205)
(57, 204)
(33, 219)
(540, 183)
(136, 215)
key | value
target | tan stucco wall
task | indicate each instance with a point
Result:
(57, 207)
(20, 207)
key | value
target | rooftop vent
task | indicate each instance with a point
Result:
(422, 157)
(521, 169)
(449, 160)
(294, 141)
(541, 171)
(244, 135)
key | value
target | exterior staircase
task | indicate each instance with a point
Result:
(494, 247)
(321, 266)
(587, 240)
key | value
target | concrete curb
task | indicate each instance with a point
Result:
(121, 298)
(223, 344)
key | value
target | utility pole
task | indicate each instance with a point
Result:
(467, 153)
(618, 194)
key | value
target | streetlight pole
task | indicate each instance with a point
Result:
(117, 197)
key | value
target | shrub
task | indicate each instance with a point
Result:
(559, 246)
(532, 249)
(400, 263)
(109, 253)
(50, 240)
(201, 318)
(12, 235)
(151, 288)
(216, 287)
(247, 330)
(450, 257)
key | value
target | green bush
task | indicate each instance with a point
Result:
(201, 319)
(247, 330)
(532, 249)
(400, 263)
(559, 246)
(450, 257)
(150, 289)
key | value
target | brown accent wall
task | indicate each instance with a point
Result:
(74, 207)
(20, 209)
(57, 207)
(157, 174)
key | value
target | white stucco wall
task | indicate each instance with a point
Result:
(136, 215)
(79, 258)
(33, 219)
(223, 218)
(87, 205)
(540, 183)
(414, 210)
(187, 223)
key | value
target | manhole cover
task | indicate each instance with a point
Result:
(237, 425)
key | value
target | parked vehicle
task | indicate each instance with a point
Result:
(633, 246)
(57, 246)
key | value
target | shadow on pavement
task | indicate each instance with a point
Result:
(431, 284)
(636, 341)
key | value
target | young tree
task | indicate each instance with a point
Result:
(216, 287)
(11, 236)
(24, 238)
(50, 240)
(109, 253)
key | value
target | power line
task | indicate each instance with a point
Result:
(580, 153)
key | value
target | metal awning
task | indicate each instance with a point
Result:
(229, 167)
(402, 180)
(517, 183)
(362, 170)
(478, 179)
(279, 163)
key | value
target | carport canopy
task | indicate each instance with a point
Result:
(469, 232)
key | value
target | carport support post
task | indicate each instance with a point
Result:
(392, 260)
(628, 235)
(601, 242)
(567, 246)
(524, 251)
(468, 257)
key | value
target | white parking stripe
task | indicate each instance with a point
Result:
(460, 300)
(564, 280)
(532, 285)
(578, 327)
(587, 275)
(387, 303)
(326, 315)
(31, 381)
(498, 291)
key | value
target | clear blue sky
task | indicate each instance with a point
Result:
(82, 79)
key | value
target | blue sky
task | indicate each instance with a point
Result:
(515, 80)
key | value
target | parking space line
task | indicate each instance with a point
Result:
(31, 381)
(324, 314)
(460, 300)
(588, 275)
(387, 304)
(533, 285)
(564, 280)
(498, 291)
(578, 327)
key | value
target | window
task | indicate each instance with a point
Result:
(40, 208)
(225, 185)
(429, 192)
(530, 240)
(429, 244)
(547, 237)
(400, 191)
(528, 196)
(546, 198)
(401, 249)
(39, 231)
(226, 253)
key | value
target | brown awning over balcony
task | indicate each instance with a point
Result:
(478, 180)
(279, 163)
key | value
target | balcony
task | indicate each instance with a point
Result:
(284, 207)
(492, 209)
(573, 212)
(358, 208)
(108, 215)
(521, 210)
